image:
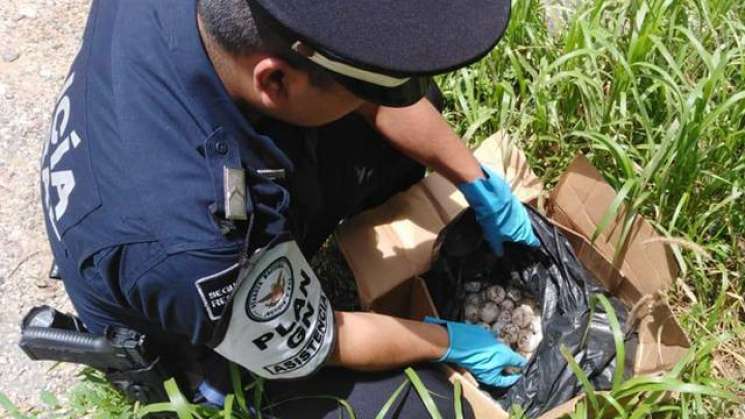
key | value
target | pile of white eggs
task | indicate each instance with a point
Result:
(510, 316)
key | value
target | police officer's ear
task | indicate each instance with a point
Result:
(275, 81)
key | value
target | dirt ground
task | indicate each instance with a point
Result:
(38, 40)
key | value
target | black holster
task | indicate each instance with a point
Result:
(125, 356)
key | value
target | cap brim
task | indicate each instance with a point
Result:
(400, 38)
(406, 94)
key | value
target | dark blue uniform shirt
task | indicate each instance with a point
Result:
(132, 175)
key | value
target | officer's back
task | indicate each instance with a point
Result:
(133, 169)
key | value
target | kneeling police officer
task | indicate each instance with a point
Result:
(202, 150)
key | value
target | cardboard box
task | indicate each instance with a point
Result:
(388, 247)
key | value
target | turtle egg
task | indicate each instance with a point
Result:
(510, 334)
(514, 294)
(495, 293)
(484, 296)
(535, 325)
(497, 327)
(471, 313)
(472, 286)
(507, 305)
(489, 312)
(473, 299)
(527, 341)
(522, 316)
(505, 317)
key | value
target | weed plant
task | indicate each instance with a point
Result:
(653, 92)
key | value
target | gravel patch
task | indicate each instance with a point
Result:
(39, 37)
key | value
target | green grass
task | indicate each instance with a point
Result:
(91, 397)
(645, 396)
(96, 398)
(653, 92)
(636, 397)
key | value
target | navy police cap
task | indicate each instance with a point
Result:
(386, 50)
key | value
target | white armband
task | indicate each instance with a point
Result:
(281, 323)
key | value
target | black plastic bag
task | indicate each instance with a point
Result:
(561, 286)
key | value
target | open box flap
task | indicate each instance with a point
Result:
(392, 244)
(580, 201)
(648, 267)
(662, 342)
(389, 244)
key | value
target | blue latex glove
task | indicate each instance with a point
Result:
(477, 350)
(501, 216)
(212, 395)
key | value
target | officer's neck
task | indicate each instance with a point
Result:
(230, 69)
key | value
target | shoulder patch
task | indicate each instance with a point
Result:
(215, 290)
(281, 324)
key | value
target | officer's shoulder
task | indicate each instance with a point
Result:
(148, 270)
(198, 281)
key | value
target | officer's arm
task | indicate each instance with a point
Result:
(420, 132)
(368, 341)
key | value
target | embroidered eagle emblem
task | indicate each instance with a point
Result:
(274, 296)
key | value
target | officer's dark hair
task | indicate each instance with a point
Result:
(242, 27)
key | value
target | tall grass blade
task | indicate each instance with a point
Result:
(618, 340)
(258, 393)
(423, 393)
(155, 408)
(581, 377)
(617, 406)
(458, 399)
(612, 212)
(672, 385)
(227, 408)
(387, 406)
(235, 381)
(178, 402)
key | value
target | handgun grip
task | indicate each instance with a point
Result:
(68, 346)
(123, 355)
